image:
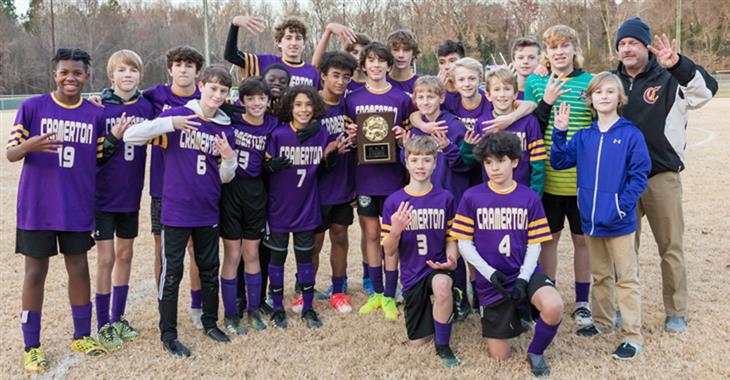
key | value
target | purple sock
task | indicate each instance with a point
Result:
(306, 279)
(391, 282)
(337, 284)
(544, 334)
(102, 310)
(228, 294)
(442, 334)
(365, 270)
(82, 319)
(196, 299)
(276, 281)
(119, 302)
(460, 276)
(376, 277)
(30, 324)
(581, 291)
(253, 290)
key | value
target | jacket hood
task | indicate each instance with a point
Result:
(621, 122)
(108, 96)
(219, 118)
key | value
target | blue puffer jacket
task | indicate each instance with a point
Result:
(612, 169)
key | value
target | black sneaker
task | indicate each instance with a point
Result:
(278, 319)
(217, 335)
(310, 316)
(588, 331)
(538, 365)
(462, 309)
(256, 320)
(174, 347)
(626, 351)
(266, 309)
(448, 358)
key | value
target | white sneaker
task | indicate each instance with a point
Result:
(195, 315)
(398, 294)
(582, 314)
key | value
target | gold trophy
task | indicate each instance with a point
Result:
(375, 138)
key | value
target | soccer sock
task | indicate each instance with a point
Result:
(376, 277)
(581, 291)
(196, 299)
(30, 324)
(102, 310)
(82, 319)
(228, 294)
(460, 276)
(253, 291)
(337, 284)
(306, 278)
(119, 302)
(544, 334)
(365, 270)
(442, 333)
(276, 282)
(475, 298)
(391, 282)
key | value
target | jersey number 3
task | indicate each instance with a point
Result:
(422, 240)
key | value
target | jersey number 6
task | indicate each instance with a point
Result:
(201, 168)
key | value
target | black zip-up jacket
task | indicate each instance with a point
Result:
(659, 100)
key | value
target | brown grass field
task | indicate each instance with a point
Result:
(354, 346)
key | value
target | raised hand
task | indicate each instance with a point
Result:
(443, 77)
(441, 139)
(344, 143)
(95, 100)
(666, 53)
(554, 89)
(252, 24)
(497, 124)
(401, 218)
(434, 126)
(185, 123)
(562, 116)
(221, 144)
(122, 125)
(345, 34)
(472, 137)
(541, 70)
(41, 143)
(511, 68)
(400, 134)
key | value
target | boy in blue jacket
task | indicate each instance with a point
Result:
(612, 163)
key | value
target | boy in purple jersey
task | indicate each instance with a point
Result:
(447, 53)
(290, 37)
(404, 47)
(243, 206)
(293, 196)
(195, 137)
(500, 225)
(355, 49)
(525, 59)
(375, 182)
(416, 223)
(119, 184)
(59, 136)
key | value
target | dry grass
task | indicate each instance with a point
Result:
(353, 346)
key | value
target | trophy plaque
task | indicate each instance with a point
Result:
(375, 138)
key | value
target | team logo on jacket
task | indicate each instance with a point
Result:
(583, 95)
(651, 94)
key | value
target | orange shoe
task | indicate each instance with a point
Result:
(298, 304)
(341, 302)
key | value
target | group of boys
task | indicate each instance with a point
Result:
(471, 195)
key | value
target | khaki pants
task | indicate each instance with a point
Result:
(615, 271)
(662, 205)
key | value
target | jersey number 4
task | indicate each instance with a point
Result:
(504, 246)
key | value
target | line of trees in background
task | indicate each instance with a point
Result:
(486, 27)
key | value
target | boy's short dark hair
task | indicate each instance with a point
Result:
(287, 102)
(450, 47)
(377, 49)
(275, 66)
(216, 74)
(498, 145)
(524, 42)
(405, 39)
(337, 60)
(71, 54)
(185, 54)
(253, 86)
(360, 39)
(294, 25)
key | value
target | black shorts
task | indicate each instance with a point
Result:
(243, 209)
(418, 308)
(47, 243)
(557, 207)
(126, 224)
(279, 241)
(156, 215)
(341, 214)
(370, 205)
(501, 320)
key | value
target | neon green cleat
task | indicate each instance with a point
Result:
(448, 358)
(390, 309)
(109, 338)
(124, 330)
(375, 301)
(89, 347)
(35, 360)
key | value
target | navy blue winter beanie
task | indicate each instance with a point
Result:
(634, 27)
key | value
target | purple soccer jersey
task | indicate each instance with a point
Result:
(520, 95)
(301, 73)
(293, 192)
(250, 145)
(56, 190)
(502, 224)
(468, 116)
(451, 173)
(120, 180)
(406, 86)
(425, 237)
(533, 146)
(337, 186)
(354, 85)
(162, 98)
(192, 185)
(379, 179)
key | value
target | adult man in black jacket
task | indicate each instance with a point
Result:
(662, 86)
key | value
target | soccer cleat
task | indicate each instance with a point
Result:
(588, 331)
(341, 303)
(195, 315)
(298, 304)
(267, 307)
(256, 320)
(367, 285)
(176, 348)
(323, 296)
(375, 301)
(582, 314)
(311, 318)
(447, 356)
(626, 351)
(538, 365)
(233, 326)
(278, 319)
(217, 335)
(390, 309)
(398, 294)
(675, 325)
(525, 318)
(462, 309)
(89, 347)
(34, 360)
(124, 330)
(108, 338)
